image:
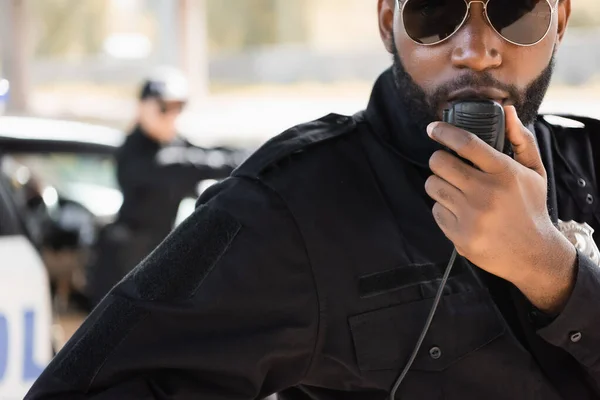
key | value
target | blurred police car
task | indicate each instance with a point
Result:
(57, 187)
(63, 185)
(25, 312)
(62, 179)
(74, 162)
(71, 160)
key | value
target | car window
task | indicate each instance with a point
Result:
(84, 178)
(60, 168)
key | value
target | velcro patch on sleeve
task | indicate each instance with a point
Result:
(174, 271)
(177, 268)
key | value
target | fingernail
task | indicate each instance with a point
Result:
(430, 129)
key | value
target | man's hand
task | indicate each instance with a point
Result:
(496, 214)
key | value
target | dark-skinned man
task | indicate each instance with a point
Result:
(311, 271)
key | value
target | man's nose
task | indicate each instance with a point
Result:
(476, 45)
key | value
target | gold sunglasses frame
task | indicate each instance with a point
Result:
(485, 13)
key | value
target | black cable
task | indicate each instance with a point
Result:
(426, 327)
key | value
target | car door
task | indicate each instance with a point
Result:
(25, 309)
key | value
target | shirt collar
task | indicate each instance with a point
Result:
(390, 120)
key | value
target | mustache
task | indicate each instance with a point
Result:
(475, 81)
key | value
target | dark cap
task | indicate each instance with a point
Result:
(166, 84)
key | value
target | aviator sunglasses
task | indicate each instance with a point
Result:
(520, 22)
(171, 107)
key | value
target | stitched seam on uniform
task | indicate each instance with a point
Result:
(217, 260)
(543, 136)
(255, 167)
(83, 377)
(370, 295)
(146, 314)
(500, 333)
(220, 256)
(394, 279)
(320, 317)
(282, 152)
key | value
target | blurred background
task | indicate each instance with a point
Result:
(248, 60)
(70, 72)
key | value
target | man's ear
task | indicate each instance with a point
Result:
(385, 11)
(563, 12)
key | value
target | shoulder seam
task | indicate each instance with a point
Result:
(320, 310)
(291, 142)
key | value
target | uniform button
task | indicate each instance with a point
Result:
(589, 199)
(533, 316)
(575, 337)
(435, 352)
(581, 182)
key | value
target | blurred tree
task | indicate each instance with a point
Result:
(292, 20)
(235, 25)
(15, 25)
(585, 13)
(70, 28)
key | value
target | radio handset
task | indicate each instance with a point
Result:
(484, 118)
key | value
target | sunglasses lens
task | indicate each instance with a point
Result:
(171, 107)
(523, 22)
(431, 21)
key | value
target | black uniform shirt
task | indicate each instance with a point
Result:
(311, 271)
(154, 178)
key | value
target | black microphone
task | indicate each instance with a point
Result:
(483, 118)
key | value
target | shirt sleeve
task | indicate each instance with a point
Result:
(209, 163)
(224, 308)
(577, 328)
(173, 167)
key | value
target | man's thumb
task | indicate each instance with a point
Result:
(523, 142)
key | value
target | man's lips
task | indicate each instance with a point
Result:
(489, 93)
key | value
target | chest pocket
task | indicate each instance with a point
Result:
(464, 322)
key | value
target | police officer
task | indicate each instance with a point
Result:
(312, 270)
(156, 170)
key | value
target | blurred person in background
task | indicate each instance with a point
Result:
(156, 170)
(312, 270)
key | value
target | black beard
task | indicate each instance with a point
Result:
(424, 108)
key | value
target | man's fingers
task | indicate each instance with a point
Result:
(453, 170)
(444, 193)
(445, 219)
(523, 142)
(468, 146)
